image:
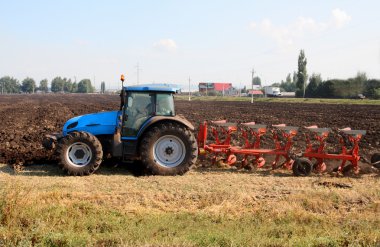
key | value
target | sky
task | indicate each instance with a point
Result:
(167, 41)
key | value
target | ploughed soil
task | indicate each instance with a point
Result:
(25, 119)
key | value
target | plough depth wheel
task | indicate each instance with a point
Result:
(375, 160)
(302, 167)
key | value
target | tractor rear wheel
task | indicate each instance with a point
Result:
(302, 167)
(168, 149)
(80, 153)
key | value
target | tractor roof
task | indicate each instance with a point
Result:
(153, 88)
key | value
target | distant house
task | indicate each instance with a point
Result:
(220, 87)
(255, 93)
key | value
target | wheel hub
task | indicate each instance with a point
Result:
(169, 151)
(79, 154)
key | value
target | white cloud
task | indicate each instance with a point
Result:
(166, 45)
(286, 35)
(340, 18)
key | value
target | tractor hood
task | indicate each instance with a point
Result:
(102, 123)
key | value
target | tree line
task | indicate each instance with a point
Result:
(315, 87)
(58, 84)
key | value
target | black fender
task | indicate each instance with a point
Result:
(156, 119)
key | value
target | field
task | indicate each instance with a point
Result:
(208, 206)
(27, 118)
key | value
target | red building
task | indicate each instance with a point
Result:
(256, 93)
(215, 86)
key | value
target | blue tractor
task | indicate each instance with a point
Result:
(145, 129)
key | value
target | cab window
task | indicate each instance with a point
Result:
(164, 104)
(139, 109)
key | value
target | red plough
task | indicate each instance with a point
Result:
(218, 128)
(282, 136)
(225, 145)
(349, 140)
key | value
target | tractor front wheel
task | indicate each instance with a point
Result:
(79, 153)
(168, 149)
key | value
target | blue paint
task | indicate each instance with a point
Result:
(153, 88)
(102, 123)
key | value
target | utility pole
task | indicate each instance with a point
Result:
(138, 73)
(253, 72)
(304, 87)
(94, 84)
(303, 78)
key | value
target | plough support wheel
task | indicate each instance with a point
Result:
(302, 167)
(375, 160)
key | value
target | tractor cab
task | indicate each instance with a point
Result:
(142, 103)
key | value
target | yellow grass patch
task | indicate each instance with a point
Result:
(220, 207)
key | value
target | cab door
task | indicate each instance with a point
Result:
(140, 107)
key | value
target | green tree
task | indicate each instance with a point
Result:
(326, 89)
(67, 85)
(44, 85)
(84, 86)
(28, 85)
(74, 88)
(372, 89)
(295, 78)
(256, 81)
(358, 84)
(103, 87)
(301, 74)
(376, 94)
(57, 84)
(9, 85)
(288, 85)
(288, 78)
(312, 87)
